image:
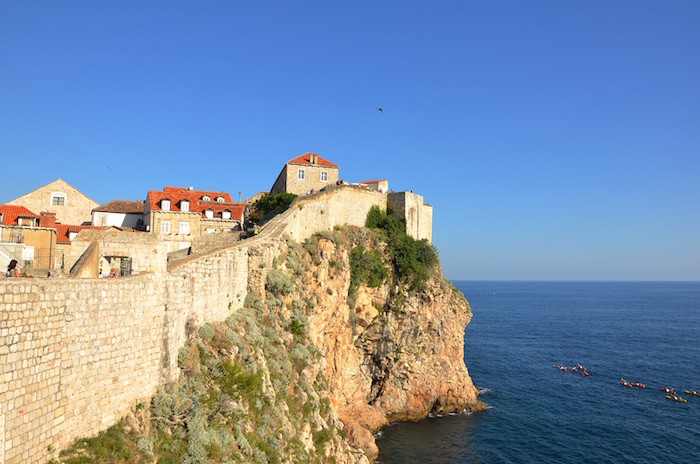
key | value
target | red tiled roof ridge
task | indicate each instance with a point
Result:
(126, 206)
(196, 205)
(183, 190)
(305, 159)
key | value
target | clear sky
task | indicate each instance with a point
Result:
(556, 140)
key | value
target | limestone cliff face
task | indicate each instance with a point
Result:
(391, 354)
(313, 363)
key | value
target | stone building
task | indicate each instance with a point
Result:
(119, 213)
(70, 205)
(305, 173)
(179, 215)
(96, 253)
(28, 238)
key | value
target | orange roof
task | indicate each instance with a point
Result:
(195, 199)
(12, 212)
(306, 160)
(236, 209)
(63, 231)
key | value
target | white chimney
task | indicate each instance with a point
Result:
(191, 188)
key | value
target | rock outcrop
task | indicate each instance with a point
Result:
(392, 354)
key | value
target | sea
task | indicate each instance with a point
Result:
(645, 332)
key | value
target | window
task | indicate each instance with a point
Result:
(184, 228)
(226, 214)
(184, 205)
(324, 176)
(164, 227)
(209, 214)
(220, 199)
(205, 198)
(165, 205)
(300, 174)
(58, 199)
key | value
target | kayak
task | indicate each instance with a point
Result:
(638, 385)
(585, 374)
(625, 383)
(676, 398)
(668, 390)
(692, 392)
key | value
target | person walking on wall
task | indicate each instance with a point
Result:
(12, 270)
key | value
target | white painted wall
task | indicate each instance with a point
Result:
(115, 219)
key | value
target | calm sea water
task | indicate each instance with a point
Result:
(646, 332)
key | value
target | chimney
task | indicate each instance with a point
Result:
(191, 188)
(239, 197)
(48, 219)
(314, 158)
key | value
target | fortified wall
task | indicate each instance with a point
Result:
(76, 354)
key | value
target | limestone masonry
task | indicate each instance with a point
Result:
(75, 354)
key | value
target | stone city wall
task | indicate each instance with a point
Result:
(336, 206)
(75, 354)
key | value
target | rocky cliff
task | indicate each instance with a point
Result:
(316, 361)
(389, 353)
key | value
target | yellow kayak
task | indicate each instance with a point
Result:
(676, 398)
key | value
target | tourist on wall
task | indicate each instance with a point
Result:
(12, 270)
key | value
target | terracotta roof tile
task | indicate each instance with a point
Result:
(121, 206)
(63, 231)
(12, 212)
(196, 205)
(306, 160)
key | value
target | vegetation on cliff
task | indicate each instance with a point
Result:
(337, 336)
(413, 260)
(273, 202)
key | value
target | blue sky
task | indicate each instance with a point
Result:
(555, 140)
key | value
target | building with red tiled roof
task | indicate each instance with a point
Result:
(181, 214)
(119, 213)
(304, 174)
(65, 233)
(14, 215)
(69, 204)
(27, 237)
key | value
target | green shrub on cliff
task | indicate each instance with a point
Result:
(113, 446)
(268, 203)
(366, 267)
(412, 260)
(278, 283)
